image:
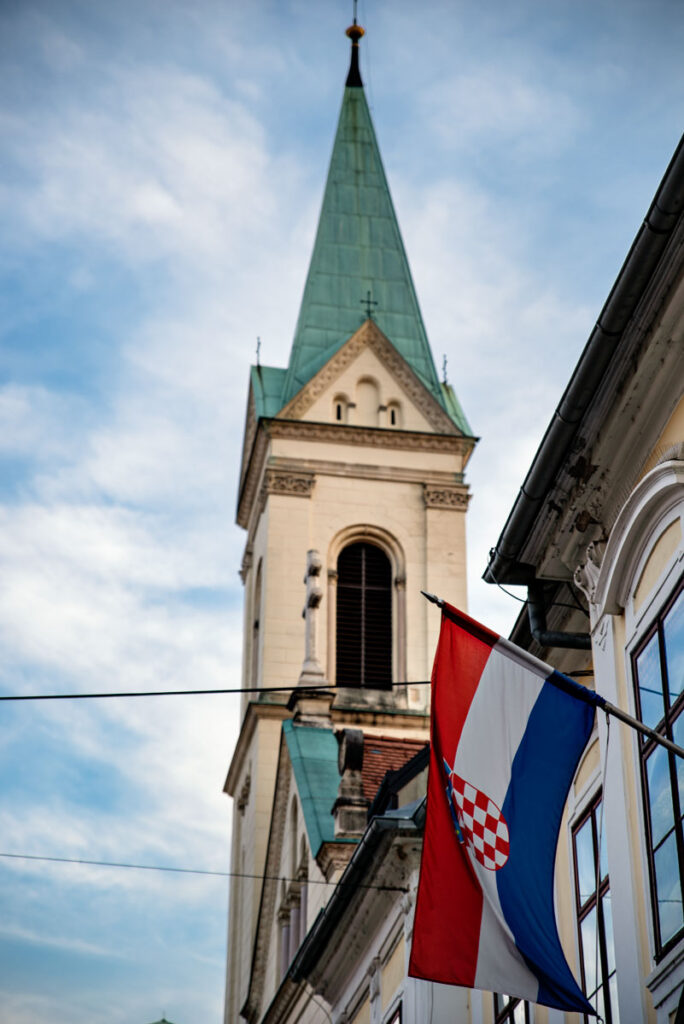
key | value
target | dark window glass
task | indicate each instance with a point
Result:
(595, 916)
(658, 669)
(364, 617)
(509, 1010)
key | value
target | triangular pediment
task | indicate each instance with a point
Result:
(369, 359)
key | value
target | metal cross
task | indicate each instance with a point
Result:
(258, 350)
(444, 368)
(369, 303)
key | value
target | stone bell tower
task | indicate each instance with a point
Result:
(352, 476)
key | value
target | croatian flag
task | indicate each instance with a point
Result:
(507, 733)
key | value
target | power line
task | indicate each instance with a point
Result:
(178, 693)
(187, 871)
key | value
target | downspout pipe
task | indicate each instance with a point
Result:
(536, 611)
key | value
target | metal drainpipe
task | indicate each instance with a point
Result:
(536, 610)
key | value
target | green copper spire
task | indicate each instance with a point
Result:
(358, 250)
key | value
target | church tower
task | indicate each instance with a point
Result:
(353, 499)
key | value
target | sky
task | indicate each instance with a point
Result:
(163, 166)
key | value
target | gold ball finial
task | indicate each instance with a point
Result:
(355, 32)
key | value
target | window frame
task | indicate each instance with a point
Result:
(505, 1013)
(595, 901)
(646, 746)
(396, 1015)
(365, 622)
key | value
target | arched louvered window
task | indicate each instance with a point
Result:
(364, 617)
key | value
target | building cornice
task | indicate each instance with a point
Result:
(371, 437)
(335, 433)
(256, 712)
(360, 470)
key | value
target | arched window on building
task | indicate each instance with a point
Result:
(394, 414)
(341, 408)
(364, 617)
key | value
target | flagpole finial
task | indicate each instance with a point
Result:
(433, 598)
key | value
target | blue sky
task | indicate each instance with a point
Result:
(163, 165)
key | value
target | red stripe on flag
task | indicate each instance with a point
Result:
(446, 929)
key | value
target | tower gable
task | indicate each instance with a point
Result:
(364, 383)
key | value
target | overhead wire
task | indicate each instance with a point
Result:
(180, 693)
(186, 871)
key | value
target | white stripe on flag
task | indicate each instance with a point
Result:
(493, 730)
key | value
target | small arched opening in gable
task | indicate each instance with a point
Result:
(341, 408)
(367, 402)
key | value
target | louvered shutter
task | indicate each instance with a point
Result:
(364, 617)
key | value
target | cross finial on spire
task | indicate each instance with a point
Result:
(444, 369)
(369, 303)
(258, 350)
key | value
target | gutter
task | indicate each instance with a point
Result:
(634, 277)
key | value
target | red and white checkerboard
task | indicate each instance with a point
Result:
(482, 823)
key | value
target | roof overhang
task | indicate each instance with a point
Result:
(576, 469)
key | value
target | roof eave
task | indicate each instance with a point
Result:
(505, 563)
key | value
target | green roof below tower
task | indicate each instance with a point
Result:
(313, 753)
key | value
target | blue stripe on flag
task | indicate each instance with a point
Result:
(543, 768)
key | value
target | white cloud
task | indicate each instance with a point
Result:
(499, 106)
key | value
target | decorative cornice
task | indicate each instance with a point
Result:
(369, 471)
(243, 798)
(250, 434)
(247, 561)
(333, 857)
(656, 495)
(587, 574)
(456, 498)
(370, 336)
(337, 433)
(372, 437)
(250, 481)
(276, 481)
(256, 710)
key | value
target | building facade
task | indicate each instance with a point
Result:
(596, 537)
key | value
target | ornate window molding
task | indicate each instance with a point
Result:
(654, 503)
